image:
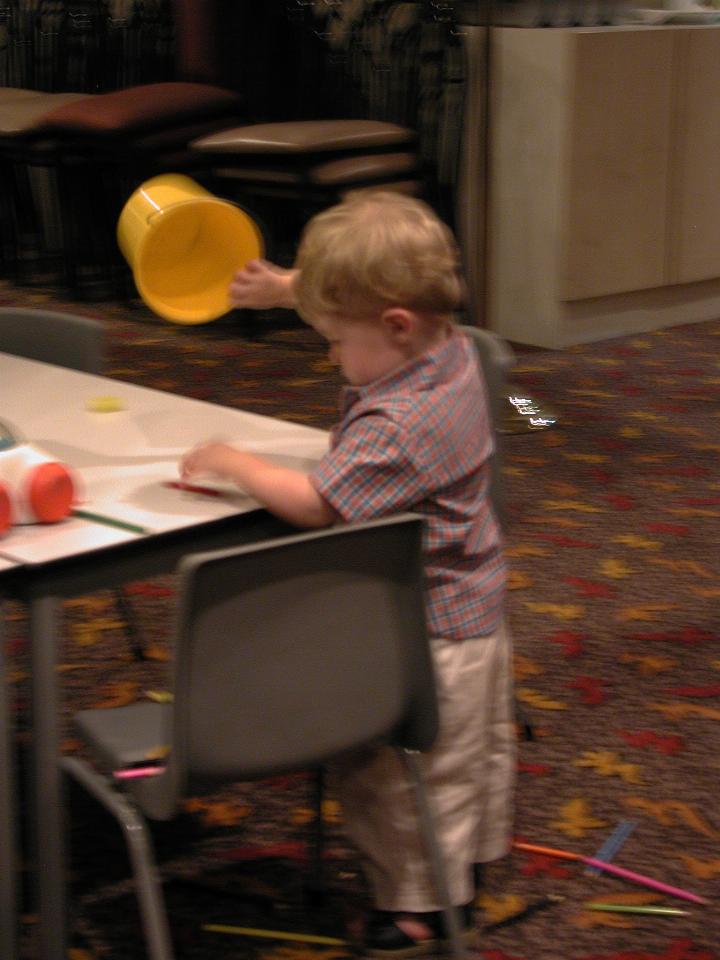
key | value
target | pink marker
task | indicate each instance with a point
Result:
(645, 881)
(134, 773)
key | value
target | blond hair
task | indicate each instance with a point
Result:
(373, 251)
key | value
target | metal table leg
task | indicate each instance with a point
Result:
(47, 821)
(8, 838)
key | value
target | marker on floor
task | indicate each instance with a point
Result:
(655, 911)
(611, 846)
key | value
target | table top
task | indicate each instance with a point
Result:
(123, 458)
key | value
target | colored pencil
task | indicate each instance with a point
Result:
(611, 868)
(192, 488)
(637, 908)
(109, 521)
(273, 934)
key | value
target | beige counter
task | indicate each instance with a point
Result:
(603, 181)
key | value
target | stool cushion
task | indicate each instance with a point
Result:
(15, 93)
(24, 115)
(304, 136)
(410, 188)
(268, 175)
(375, 166)
(151, 105)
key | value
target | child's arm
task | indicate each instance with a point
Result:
(261, 285)
(286, 493)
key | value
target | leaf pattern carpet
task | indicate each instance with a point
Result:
(612, 543)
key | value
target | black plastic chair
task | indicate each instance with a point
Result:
(67, 340)
(495, 359)
(288, 653)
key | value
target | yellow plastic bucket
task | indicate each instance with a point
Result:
(183, 245)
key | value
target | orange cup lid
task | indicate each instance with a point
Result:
(50, 492)
(5, 510)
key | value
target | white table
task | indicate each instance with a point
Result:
(122, 459)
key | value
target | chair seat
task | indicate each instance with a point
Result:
(8, 94)
(288, 654)
(299, 137)
(410, 188)
(138, 109)
(23, 115)
(380, 166)
(126, 736)
(83, 156)
(262, 175)
(376, 166)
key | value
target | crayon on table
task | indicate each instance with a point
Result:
(192, 488)
(109, 521)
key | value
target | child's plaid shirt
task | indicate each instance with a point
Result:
(419, 440)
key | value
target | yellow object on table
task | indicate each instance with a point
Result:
(105, 404)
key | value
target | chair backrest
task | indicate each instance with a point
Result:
(65, 339)
(293, 651)
(494, 358)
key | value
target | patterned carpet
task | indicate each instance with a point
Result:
(614, 524)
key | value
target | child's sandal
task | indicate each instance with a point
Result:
(384, 938)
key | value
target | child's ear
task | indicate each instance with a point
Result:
(399, 322)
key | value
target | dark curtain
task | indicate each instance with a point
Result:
(380, 59)
(89, 46)
(403, 62)
(291, 59)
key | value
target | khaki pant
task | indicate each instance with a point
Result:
(470, 774)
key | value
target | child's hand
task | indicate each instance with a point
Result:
(261, 285)
(210, 457)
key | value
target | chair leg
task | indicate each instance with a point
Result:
(137, 838)
(411, 760)
(524, 723)
(128, 615)
(315, 886)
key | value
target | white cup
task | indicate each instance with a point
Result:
(38, 488)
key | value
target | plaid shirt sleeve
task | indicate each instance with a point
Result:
(370, 472)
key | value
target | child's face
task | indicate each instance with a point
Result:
(365, 350)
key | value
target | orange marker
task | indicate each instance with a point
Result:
(546, 851)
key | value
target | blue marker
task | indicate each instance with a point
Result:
(611, 846)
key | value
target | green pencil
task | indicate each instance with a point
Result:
(637, 908)
(109, 521)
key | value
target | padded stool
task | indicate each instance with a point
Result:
(103, 147)
(9, 94)
(30, 230)
(312, 162)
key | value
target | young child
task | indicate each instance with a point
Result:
(261, 285)
(377, 277)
